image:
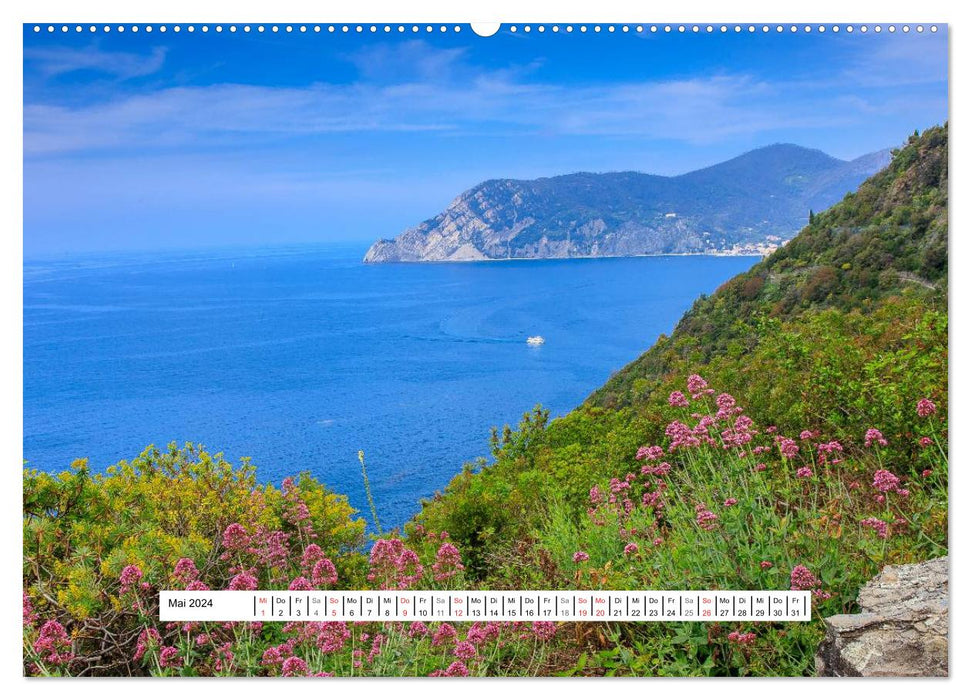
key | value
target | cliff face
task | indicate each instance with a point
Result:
(749, 204)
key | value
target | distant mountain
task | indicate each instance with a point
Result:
(749, 204)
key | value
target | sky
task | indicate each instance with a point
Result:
(144, 141)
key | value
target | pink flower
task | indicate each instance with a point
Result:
(323, 573)
(168, 657)
(698, 387)
(730, 502)
(879, 526)
(272, 657)
(53, 643)
(185, 571)
(544, 630)
(295, 666)
(657, 542)
(580, 556)
(630, 548)
(448, 562)
(874, 436)
(766, 564)
(806, 435)
(235, 538)
(652, 452)
(678, 400)
(804, 473)
(926, 407)
(884, 480)
(760, 467)
(596, 497)
(705, 518)
(457, 668)
(417, 629)
(301, 584)
(465, 650)
(802, 579)
(130, 576)
(444, 633)
(149, 638)
(788, 447)
(925, 442)
(742, 639)
(393, 565)
(29, 616)
(926, 473)
(243, 581)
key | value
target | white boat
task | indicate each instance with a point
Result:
(535, 340)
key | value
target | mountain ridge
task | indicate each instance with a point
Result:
(749, 204)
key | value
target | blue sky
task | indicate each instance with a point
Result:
(144, 141)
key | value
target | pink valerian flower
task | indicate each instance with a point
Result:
(730, 502)
(324, 573)
(656, 469)
(271, 548)
(926, 473)
(301, 584)
(444, 634)
(874, 436)
(295, 666)
(222, 657)
(465, 651)
(417, 629)
(824, 451)
(884, 480)
(630, 548)
(766, 565)
(448, 562)
(788, 447)
(681, 435)
(879, 526)
(596, 497)
(272, 657)
(243, 581)
(29, 617)
(185, 571)
(926, 407)
(457, 668)
(802, 579)
(149, 638)
(705, 518)
(678, 400)
(544, 631)
(657, 542)
(741, 638)
(807, 435)
(726, 406)
(168, 657)
(698, 387)
(925, 441)
(130, 576)
(311, 555)
(235, 538)
(760, 467)
(580, 556)
(903, 493)
(804, 473)
(650, 452)
(53, 644)
(393, 565)
(197, 586)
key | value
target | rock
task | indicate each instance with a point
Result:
(901, 629)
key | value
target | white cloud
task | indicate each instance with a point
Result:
(59, 61)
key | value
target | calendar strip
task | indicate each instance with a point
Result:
(494, 606)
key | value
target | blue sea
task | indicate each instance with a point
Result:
(300, 356)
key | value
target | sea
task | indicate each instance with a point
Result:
(299, 356)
